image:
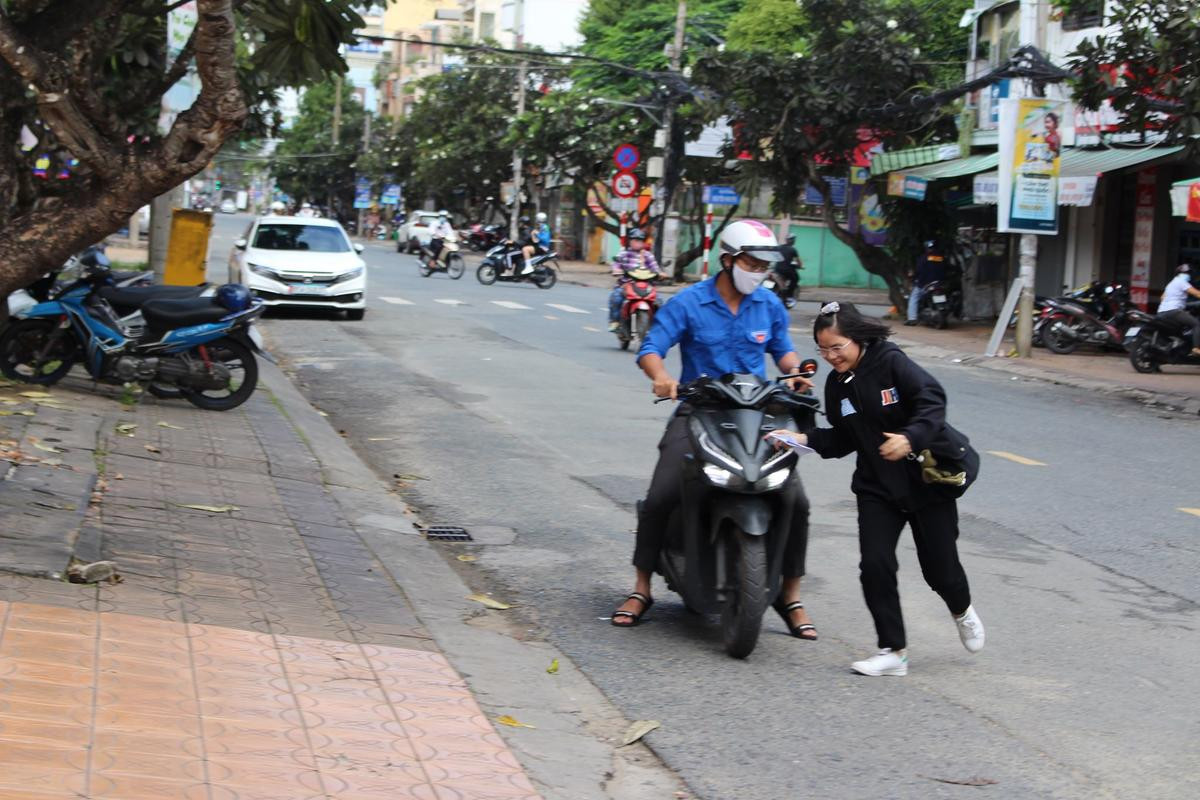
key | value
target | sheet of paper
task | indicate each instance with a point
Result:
(797, 446)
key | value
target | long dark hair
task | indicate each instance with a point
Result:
(850, 322)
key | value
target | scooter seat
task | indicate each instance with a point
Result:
(129, 298)
(166, 314)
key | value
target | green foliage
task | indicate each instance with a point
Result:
(772, 26)
(1157, 42)
(306, 164)
(297, 40)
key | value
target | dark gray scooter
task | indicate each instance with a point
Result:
(725, 542)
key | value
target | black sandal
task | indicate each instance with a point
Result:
(646, 604)
(798, 631)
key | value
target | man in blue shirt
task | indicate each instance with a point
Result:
(726, 324)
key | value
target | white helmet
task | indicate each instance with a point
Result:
(751, 237)
(541, 216)
(306, 205)
(443, 213)
(278, 206)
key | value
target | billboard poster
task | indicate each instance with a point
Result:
(1030, 154)
(1143, 238)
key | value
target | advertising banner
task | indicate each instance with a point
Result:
(1030, 154)
(1143, 238)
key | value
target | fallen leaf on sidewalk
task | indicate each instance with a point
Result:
(172, 427)
(57, 506)
(35, 394)
(16, 413)
(127, 428)
(46, 448)
(513, 723)
(639, 729)
(93, 573)
(553, 668)
(466, 558)
(489, 602)
(380, 438)
(152, 449)
(965, 782)
(213, 509)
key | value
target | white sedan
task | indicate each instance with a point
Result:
(294, 261)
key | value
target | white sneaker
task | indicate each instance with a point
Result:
(970, 630)
(886, 662)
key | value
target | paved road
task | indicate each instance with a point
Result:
(510, 406)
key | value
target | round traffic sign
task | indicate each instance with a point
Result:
(625, 184)
(626, 157)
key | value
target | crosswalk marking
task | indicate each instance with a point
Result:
(511, 304)
(397, 301)
(566, 308)
(450, 301)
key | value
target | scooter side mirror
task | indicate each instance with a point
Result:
(241, 244)
(808, 367)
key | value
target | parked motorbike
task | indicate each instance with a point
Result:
(1099, 318)
(449, 260)
(725, 541)
(1153, 341)
(194, 345)
(638, 305)
(939, 301)
(504, 263)
(482, 238)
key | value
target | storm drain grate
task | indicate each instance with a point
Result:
(447, 533)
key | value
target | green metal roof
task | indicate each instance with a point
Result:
(884, 163)
(956, 167)
(1186, 182)
(1086, 163)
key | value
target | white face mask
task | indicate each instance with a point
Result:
(746, 282)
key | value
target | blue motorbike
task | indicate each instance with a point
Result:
(200, 348)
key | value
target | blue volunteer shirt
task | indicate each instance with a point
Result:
(712, 340)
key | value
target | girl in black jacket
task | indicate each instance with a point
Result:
(889, 411)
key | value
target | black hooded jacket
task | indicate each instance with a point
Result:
(889, 393)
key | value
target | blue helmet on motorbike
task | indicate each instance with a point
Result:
(234, 297)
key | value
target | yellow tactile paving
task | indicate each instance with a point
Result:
(106, 705)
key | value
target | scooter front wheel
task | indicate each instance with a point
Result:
(455, 266)
(423, 268)
(746, 568)
(486, 274)
(639, 325)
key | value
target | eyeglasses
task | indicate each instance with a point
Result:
(835, 349)
(752, 264)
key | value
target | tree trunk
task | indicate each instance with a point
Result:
(874, 260)
(119, 178)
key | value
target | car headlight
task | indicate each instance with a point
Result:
(719, 476)
(777, 478)
(266, 272)
(349, 274)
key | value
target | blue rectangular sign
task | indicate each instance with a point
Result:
(721, 196)
(837, 190)
(391, 195)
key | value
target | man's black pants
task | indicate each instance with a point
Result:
(935, 533)
(664, 495)
(1183, 319)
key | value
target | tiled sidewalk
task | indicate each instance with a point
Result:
(253, 653)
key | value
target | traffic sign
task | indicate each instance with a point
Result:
(626, 157)
(625, 184)
(721, 196)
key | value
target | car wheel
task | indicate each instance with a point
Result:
(355, 314)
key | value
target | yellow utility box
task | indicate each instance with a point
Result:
(187, 251)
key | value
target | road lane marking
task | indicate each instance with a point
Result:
(593, 330)
(549, 316)
(1195, 511)
(397, 301)
(566, 308)
(511, 304)
(450, 301)
(1029, 462)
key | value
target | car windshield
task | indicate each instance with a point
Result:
(314, 238)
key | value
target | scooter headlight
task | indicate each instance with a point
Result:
(777, 478)
(719, 476)
(716, 453)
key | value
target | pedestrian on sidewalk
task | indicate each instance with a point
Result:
(931, 267)
(911, 468)
(1173, 305)
(634, 257)
(722, 325)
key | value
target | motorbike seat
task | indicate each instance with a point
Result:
(132, 297)
(182, 313)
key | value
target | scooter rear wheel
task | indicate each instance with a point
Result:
(1058, 338)
(1141, 356)
(26, 354)
(746, 568)
(243, 368)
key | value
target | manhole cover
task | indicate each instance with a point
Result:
(447, 533)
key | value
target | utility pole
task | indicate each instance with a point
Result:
(670, 228)
(1031, 31)
(518, 166)
(362, 212)
(337, 130)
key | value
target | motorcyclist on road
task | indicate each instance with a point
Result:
(1174, 303)
(439, 232)
(931, 267)
(723, 325)
(788, 269)
(634, 257)
(537, 243)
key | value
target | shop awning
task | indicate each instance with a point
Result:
(955, 168)
(883, 163)
(1090, 163)
(971, 14)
